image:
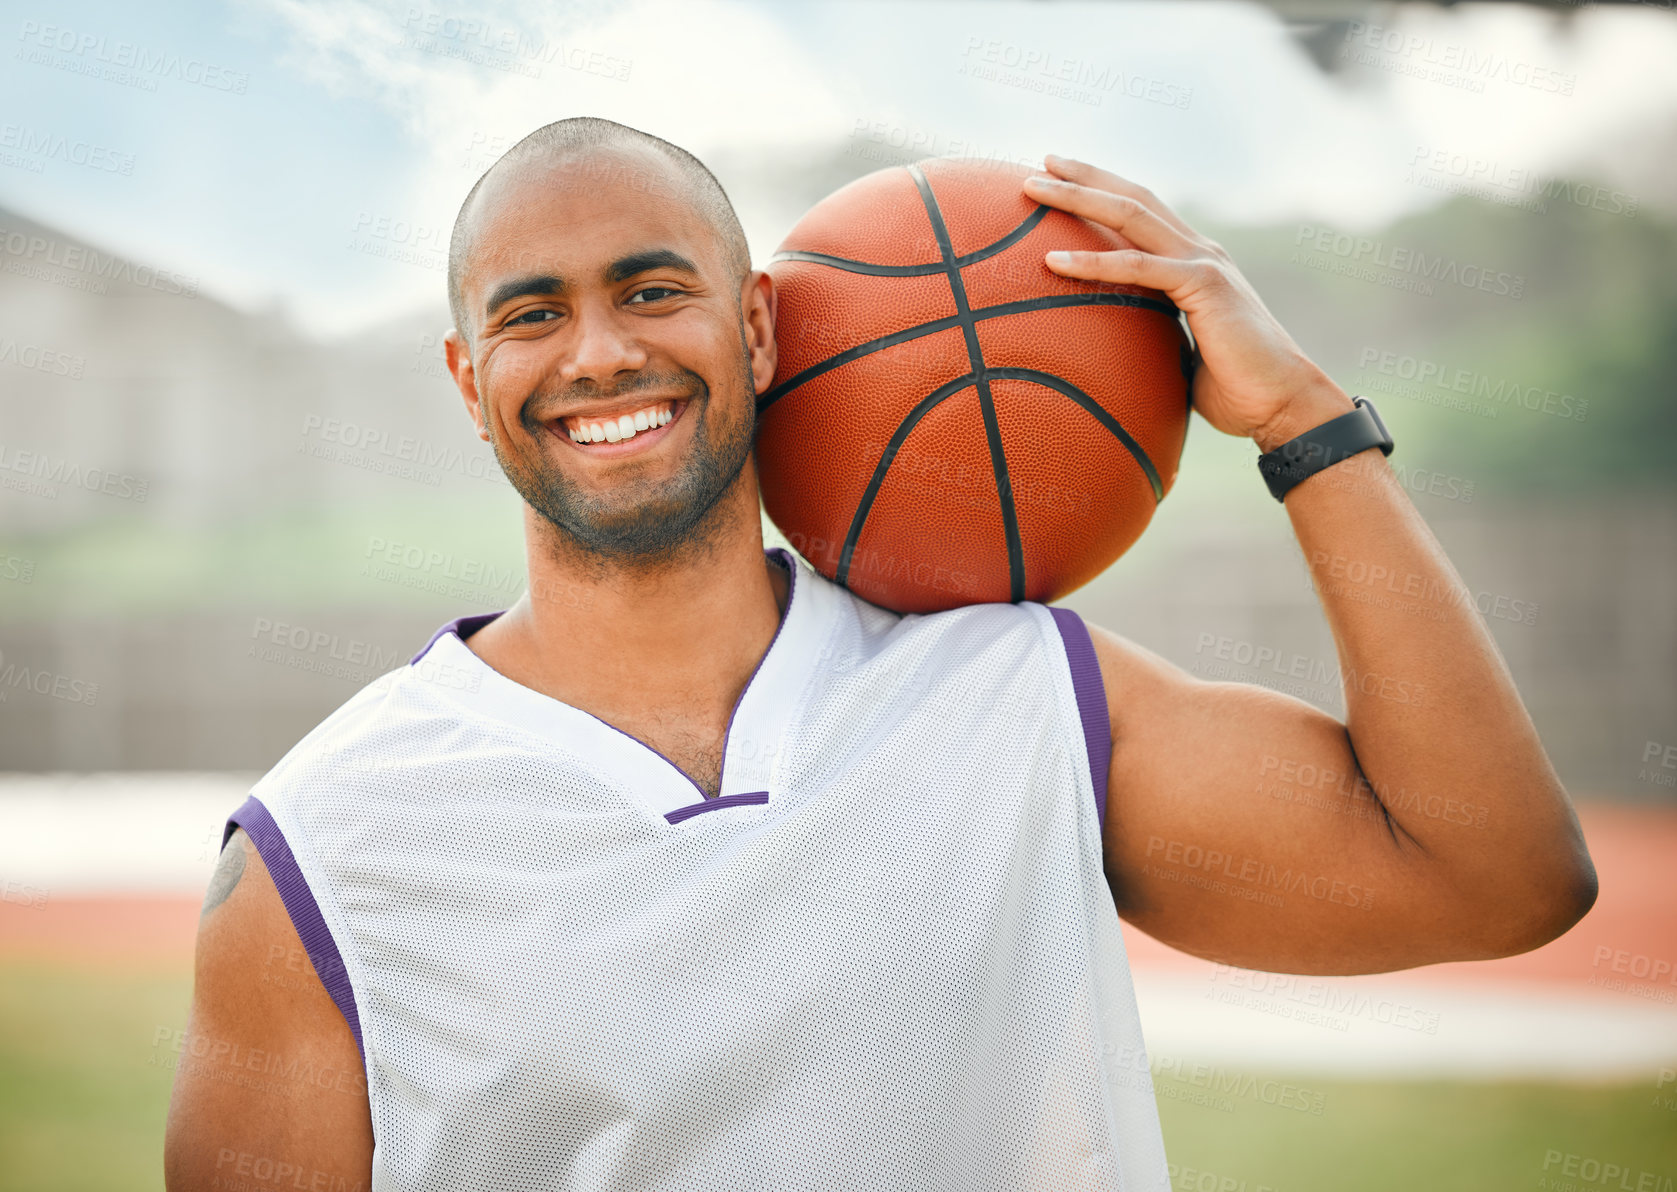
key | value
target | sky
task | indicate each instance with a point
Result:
(308, 158)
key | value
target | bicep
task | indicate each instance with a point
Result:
(1240, 828)
(269, 1082)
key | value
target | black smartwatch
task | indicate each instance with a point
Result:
(1322, 446)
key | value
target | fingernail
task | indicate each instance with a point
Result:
(1059, 258)
(1044, 180)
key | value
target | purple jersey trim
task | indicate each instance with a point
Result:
(464, 627)
(692, 809)
(1091, 701)
(299, 902)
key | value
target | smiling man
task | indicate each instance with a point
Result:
(694, 870)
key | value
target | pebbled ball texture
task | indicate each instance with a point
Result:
(951, 422)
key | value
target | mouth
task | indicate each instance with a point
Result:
(621, 430)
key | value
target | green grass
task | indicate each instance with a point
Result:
(83, 1099)
(1424, 1137)
(82, 1103)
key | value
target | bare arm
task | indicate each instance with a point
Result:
(1247, 826)
(270, 1086)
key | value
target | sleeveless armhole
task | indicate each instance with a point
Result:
(1091, 701)
(300, 904)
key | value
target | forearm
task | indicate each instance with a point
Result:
(1431, 710)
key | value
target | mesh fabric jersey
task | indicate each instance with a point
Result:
(886, 958)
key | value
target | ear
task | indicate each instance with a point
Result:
(459, 358)
(757, 309)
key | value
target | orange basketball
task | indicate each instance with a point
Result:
(951, 422)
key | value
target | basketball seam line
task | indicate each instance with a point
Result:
(949, 389)
(850, 265)
(986, 404)
(998, 310)
(1098, 411)
(898, 436)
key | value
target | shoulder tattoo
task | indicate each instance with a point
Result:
(228, 870)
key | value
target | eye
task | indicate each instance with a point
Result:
(531, 316)
(655, 291)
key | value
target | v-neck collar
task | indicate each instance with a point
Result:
(753, 744)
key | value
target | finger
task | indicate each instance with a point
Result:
(1128, 216)
(1084, 174)
(1128, 266)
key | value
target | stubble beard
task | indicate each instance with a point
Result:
(642, 523)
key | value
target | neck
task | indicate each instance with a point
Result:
(615, 638)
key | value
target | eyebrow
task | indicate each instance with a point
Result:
(621, 269)
(520, 287)
(624, 268)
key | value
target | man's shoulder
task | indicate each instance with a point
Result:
(377, 722)
(870, 634)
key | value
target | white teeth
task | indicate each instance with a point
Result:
(624, 426)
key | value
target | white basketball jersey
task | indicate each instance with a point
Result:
(885, 958)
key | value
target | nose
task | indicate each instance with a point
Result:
(602, 347)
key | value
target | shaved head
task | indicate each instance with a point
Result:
(599, 151)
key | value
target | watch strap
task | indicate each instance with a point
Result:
(1323, 446)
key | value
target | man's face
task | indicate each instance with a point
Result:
(598, 294)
